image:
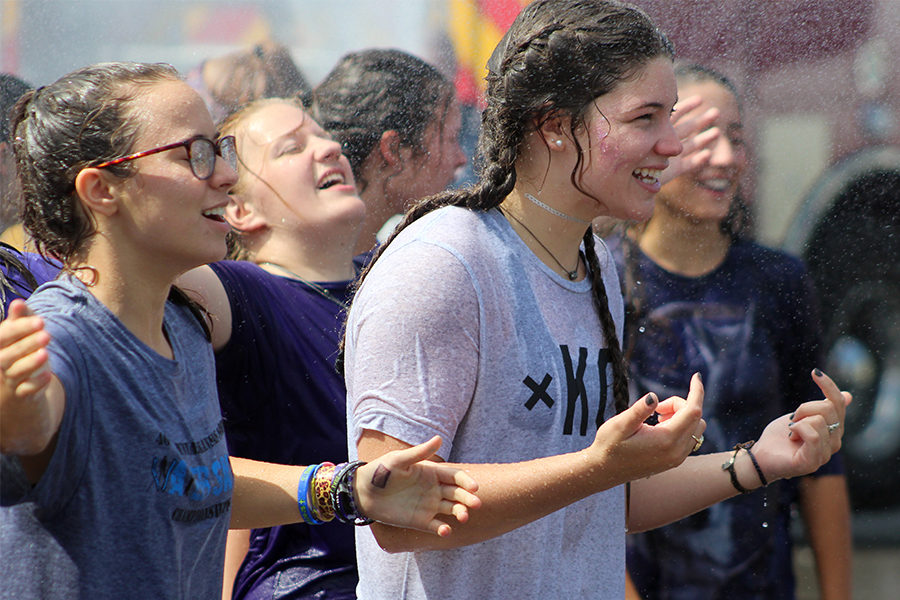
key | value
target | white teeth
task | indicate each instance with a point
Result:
(719, 185)
(648, 175)
(215, 212)
(333, 179)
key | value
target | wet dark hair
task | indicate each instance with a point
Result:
(686, 72)
(11, 89)
(556, 58)
(375, 90)
(82, 119)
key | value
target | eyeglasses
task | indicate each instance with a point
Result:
(201, 151)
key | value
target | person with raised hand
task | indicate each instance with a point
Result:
(114, 458)
(493, 317)
(702, 298)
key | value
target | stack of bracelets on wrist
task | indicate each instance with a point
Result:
(729, 466)
(325, 492)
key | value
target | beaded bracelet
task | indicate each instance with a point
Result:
(322, 508)
(345, 508)
(303, 497)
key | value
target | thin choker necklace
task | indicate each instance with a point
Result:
(553, 211)
(573, 274)
(312, 285)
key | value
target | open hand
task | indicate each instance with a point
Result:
(402, 488)
(696, 135)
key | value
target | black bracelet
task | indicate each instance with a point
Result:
(345, 509)
(762, 478)
(729, 466)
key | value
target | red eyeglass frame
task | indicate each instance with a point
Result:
(217, 148)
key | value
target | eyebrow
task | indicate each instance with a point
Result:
(653, 105)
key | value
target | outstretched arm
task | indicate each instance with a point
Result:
(515, 494)
(32, 400)
(400, 488)
(790, 446)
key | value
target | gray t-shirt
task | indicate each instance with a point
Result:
(461, 331)
(136, 498)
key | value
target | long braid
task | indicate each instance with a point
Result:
(556, 58)
(601, 303)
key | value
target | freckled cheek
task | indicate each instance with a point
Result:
(601, 131)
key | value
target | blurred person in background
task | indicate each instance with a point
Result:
(228, 82)
(398, 122)
(700, 298)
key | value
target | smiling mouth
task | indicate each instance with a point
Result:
(331, 180)
(715, 185)
(648, 176)
(215, 214)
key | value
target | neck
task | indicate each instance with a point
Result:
(135, 293)
(553, 239)
(378, 210)
(312, 261)
(683, 246)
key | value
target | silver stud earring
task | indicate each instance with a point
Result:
(558, 143)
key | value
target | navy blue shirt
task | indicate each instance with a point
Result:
(284, 402)
(750, 327)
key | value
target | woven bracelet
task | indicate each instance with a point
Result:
(762, 478)
(729, 466)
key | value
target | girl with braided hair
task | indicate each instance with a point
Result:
(493, 317)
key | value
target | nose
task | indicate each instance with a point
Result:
(725, 153)
(327, 149)
(669, 143)
(224, 176)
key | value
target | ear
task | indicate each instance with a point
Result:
(555, 132)
(390, 149)
(96, 190)
(244, 215)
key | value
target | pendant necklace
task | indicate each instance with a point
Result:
(310, 284)
(553, 211)
(571, 274)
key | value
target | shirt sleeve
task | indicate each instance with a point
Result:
(413, 346)
(63, 473)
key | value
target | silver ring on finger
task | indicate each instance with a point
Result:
(833, 426)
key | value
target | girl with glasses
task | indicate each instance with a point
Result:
(112, 438)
